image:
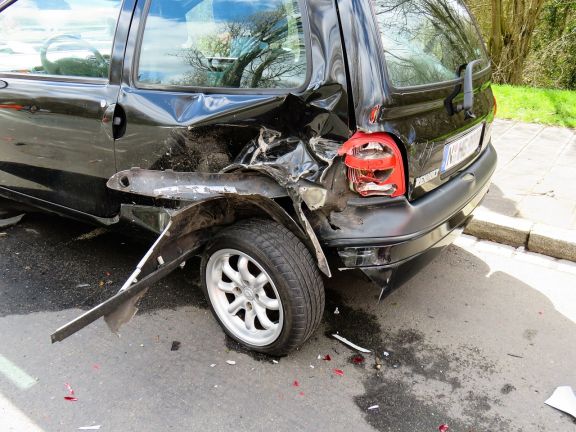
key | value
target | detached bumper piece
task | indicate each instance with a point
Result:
(181, 237)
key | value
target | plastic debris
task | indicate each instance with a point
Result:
(336, 311)
(339, 372)
(96, 366)
(350, 344)
(327, 357)
(563, 399)
(231, 362)
(83, 285)
(295, 383)
(213, 365)
(443, 428)
(69, 388)
(386, 353)
(275, 361)
(95, 427)
(301, 393)
(311, 366)
(358, 359)
(71, 398)
(4, 223)
(175, 346)
(373, 407)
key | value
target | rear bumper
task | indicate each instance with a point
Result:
(383, 235)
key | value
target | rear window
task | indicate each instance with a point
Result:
(426, 41)
(223, 43)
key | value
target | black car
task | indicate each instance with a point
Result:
(279, 139)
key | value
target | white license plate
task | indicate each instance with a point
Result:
(461, 149)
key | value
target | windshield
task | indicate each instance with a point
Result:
(426, 41)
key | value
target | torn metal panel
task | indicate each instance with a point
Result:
(193, 186)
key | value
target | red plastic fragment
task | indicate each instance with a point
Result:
(358, 359)
(69, 388)
(71, 398)
(443, 428)
(327, 357)
(296, 383)
(339, 372)
(301, 393)
(96, 366)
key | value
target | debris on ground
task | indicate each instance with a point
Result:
(373, 407)
(71, 397)
(327, 357)
(443, 428)
(336, 311)
(175, 346)
(358, 359)
(275, 361)
(563, 399)
(350, 344)
(3, 234)
(386, 354)
(4, 223)
(213, 365)
(507, 388)
(378, 362)
(514, 355)
(301, 393)
(91, 234)
(339, 372)
(95, 427)
(295, 383)
(82, 285)
(231, 362)
(311, 366)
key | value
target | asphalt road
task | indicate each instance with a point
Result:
(478, 341)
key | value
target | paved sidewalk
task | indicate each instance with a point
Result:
(536, 174)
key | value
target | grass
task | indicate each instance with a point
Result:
(536, 105)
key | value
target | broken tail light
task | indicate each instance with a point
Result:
(374, 164)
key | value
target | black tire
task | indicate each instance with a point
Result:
(292, 269)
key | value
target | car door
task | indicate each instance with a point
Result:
(60, 64)
(204, 77)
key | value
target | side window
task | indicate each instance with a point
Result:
(58, 37)
(223, 43)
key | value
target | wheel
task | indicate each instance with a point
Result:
(263, 286)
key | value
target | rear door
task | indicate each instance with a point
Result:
(200, 75)
(57, 98)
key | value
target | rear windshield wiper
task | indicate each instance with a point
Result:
(468, 103)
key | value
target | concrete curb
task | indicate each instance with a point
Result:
(543, 239)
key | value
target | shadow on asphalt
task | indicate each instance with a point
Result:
(47, 261)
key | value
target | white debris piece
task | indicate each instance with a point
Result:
(336, 311)
(563, 399)
(350, 344)
(275, 361)
(95, 427)
(373, 407)
(386, 353)
(213, 364)
(319, 357)
(231, 362)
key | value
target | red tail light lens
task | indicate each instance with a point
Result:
(374, 164)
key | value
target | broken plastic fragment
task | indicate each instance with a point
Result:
(213, 364)
(350, 344)
(311, 366)
(71, 398)
(358, 359)
(386, 353)
(4, 223)
(443, 428)
(327, 357)
(275, 361)
(301, 393)
(175, 346)
(336, 311)
(295, 383)
(69, 388)
(373, 407)
(563, 399)
(95, 427)
(231, 362)
(339, 372)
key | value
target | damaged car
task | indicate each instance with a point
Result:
(283, 141)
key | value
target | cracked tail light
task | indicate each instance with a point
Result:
(374, 164)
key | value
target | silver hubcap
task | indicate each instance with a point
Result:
(244, 297)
